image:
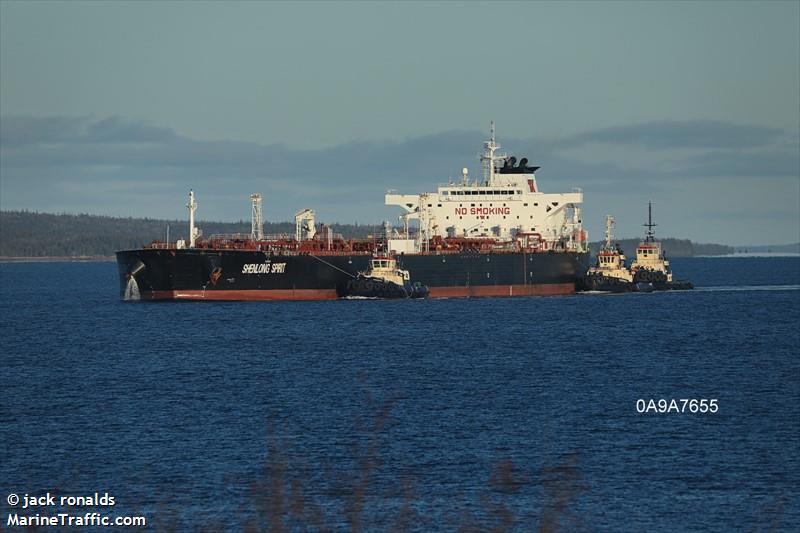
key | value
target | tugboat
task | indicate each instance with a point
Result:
(651, 270)
(610, 274)
(384, 280)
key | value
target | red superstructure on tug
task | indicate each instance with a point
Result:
(497, 236)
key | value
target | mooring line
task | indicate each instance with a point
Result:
(332, 266)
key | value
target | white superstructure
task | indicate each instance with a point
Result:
(649, 255)
(610, 260)
(504, 205)
(385, 268)
(304, 224)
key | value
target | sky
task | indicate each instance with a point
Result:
(119, 108)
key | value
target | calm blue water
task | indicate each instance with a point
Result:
(517, 413)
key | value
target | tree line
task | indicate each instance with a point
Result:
(32, 234)
(672, 247)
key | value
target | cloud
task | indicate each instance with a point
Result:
(19, 131)
(118, 130)
(679, 134)
(740, 163)
(64, 143)
(118, 166)
(717, 149)
(37, 131)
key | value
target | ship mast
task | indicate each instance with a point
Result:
(192, 206)
(488, 158)
(650, 235)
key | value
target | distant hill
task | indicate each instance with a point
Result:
(31, 234)
(672, 247)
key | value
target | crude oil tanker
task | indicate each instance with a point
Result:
(496, 236)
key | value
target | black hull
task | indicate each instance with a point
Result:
(600, 283)
(597, 283)
(371, 287)
(201, 274)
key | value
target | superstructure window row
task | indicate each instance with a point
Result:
(480, 193)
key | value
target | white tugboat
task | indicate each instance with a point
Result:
(610, 274)
(384, 280)
(649, 272)
(651, 269)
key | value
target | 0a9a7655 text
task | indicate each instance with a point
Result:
(684, 405)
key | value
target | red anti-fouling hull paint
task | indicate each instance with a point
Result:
(321, 294)
(253, 295)
(503, 290)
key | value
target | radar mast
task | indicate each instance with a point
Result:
(488, 158)
(650, 236)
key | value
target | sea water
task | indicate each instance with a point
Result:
(515, 413)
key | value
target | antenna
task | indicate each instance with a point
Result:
(650, 233)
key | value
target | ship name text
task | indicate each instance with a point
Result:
(264, 268)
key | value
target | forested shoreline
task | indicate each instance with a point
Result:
(30, 234)
(46, 235)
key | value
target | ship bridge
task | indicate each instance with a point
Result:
(506, 202)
